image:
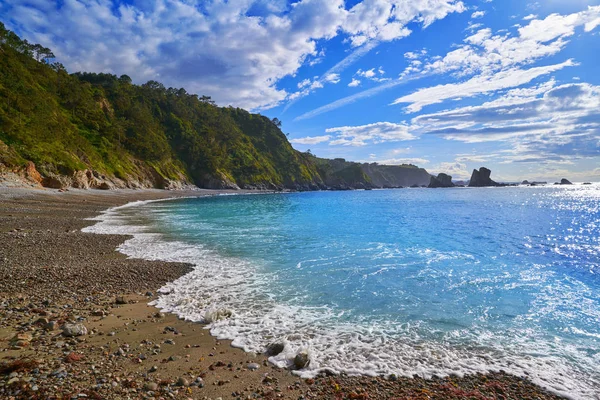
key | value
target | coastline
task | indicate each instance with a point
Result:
(51, 270)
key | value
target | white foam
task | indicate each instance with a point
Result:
(229, 294)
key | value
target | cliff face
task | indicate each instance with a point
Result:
(101, 131)
(341, 174)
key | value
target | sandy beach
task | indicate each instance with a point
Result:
(53, 275)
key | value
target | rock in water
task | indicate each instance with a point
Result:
(301, 360)
(442, 181)
(275, 348)
(481, 178)
(565, 182)
(74, 330)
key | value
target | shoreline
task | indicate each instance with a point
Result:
(35, 223)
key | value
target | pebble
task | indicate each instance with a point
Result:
(253, 366)
(182, 382)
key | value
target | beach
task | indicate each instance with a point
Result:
(52, 274)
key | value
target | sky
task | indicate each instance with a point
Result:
(448, 85)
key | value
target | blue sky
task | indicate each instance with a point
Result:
(445, 84)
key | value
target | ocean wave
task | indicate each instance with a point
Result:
(231, 295)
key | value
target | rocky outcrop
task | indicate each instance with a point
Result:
(57, 182)
(482, 178)
(565, 182)
(32, 173)
(441, 181)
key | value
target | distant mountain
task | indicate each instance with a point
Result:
(101, 131)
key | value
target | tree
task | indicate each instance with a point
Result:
(125, 79)
(276, 122)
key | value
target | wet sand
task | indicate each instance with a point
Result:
(52, 274)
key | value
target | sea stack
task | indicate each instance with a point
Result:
(565, 182)
(442, 181)
(481, 178)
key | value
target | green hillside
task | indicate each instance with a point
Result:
(100, 130)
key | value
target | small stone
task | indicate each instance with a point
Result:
(173, 358)
(159, 315)
(253, 366)
(120, 300)
(51, 326)
(150, 386)
(154, 368)
(182, 382)
(12, 381)
(70, 330)
(149, 294)
(301, 360)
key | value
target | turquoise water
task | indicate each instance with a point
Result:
(409, 281)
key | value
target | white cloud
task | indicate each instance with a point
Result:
(530, 17)
(488, 58)
(456, 170)
(386, 20)
(311, 140)
(332, 78)
(213, 47)
(545, 123)
(400, 161)
(378, 132)
(354, 83)
(480, 84)
(478, 14)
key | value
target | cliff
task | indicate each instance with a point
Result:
(441, 181)
(482, 178)
(101, 131)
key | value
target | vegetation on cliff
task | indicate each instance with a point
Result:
(142, 135)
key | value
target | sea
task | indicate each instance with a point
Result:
(407, 282)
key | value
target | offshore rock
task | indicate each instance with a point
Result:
(565, 182)
(441, 181)
(481, 178)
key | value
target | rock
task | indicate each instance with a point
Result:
(159, 315)
(275, 348)
(565, 182)
(442, 181)
(182, 382)
(149, 294)
(481, 178)
(56, 182)
(154, 368)
(105, 186)
(151, 386)
(70, 330)
(32, 174)
(587, 183)
(253, 366)
(51, 326)
(120, 300)
(301, 360)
